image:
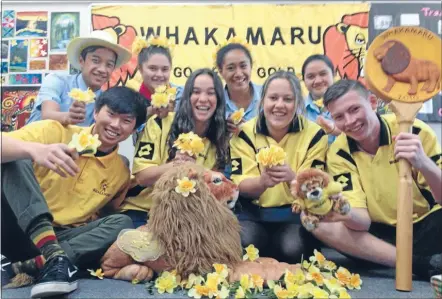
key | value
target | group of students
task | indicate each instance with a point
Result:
(64, 210)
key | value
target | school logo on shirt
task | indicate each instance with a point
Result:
(438, 160)
(345, 180)
(145, 150)
(103, 187)
(318, 164)
(236, 166)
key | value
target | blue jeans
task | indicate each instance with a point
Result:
(139, 218)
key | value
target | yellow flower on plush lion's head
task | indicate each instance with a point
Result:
(271, 156)
(185, 186)
(79, 95)
(237, 116)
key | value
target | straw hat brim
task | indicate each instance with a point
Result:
(80, 43)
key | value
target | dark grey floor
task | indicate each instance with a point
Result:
(377, 283)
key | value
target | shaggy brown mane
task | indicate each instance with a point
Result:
(186, 224)
(307, 175)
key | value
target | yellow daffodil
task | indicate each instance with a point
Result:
(245, 282)
(212, 282)
(166, 283)
(193, 280)
(189, 143)
(271, 156)
(289, 277)
(223, 293)
(185, 186)
(280, 292)
(292, 288)
(343, 275)
(343, 294)
(305, 264)
(79, 95)
(320, 103)
(270, 284)
(240, 293)
(319, 293)
(329, 265)
(222, 270)
(161, 89)
(355, 282)
(318, 258)
(97, 273)
(159, 41)
(305, 290)
(316, 277)
(199, 291)
(257, 281)
(252, 253)
(160, 100)
(171, 93)
(313, 269)
(135, 281)
(333, 285)
(84, 142)
(237, 116)
(138, 45)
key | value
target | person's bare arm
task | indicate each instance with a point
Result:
(75, 115)
(57, 157)
(150, 175)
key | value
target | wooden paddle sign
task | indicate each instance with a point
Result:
(403, 67)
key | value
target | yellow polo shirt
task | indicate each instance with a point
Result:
(76, 200)
(305, 145)
(152, 150)
(372, 182)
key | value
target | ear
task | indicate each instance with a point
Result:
(192, 174)
(342, 28)
(373, 101)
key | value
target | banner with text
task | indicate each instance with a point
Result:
(281, 36)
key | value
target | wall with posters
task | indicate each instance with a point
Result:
(34, 37)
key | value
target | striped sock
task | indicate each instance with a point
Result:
(42, 234)
(31, 266)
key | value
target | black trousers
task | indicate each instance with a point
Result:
(23, 202)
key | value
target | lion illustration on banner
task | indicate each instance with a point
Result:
(126, 36)
(345, 43)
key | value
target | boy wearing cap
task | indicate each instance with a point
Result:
(96, 56)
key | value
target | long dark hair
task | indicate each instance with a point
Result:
(184, 122)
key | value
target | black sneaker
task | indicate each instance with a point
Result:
(7, 267)
(58, 276)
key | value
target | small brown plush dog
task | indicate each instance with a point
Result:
(316, 196)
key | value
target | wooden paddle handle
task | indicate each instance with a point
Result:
(405, 114)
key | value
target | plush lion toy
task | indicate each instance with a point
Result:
(317, 196)
(187, 232)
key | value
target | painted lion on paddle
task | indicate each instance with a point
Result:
(189, 230)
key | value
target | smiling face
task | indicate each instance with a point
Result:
(279, 105)
(203, 100)
(318, 77)
(155, 71)
(97, 67)
(112, 127)
(354, 115)
(236, 70)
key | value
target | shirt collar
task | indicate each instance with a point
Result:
(296, 126)
(384, 138)
(83, 86)
(145, 92)
(255, 98)
(310, 104)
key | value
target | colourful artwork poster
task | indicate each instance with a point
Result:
(8, 23)
(24, 79)
(4, 67)
(64, 27)
(18, 60)
(17, 104)
(58, 62)
(5, 49)
(32, 23)
(37, 65)
(39, 48)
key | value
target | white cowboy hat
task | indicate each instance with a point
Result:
(104, 38)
